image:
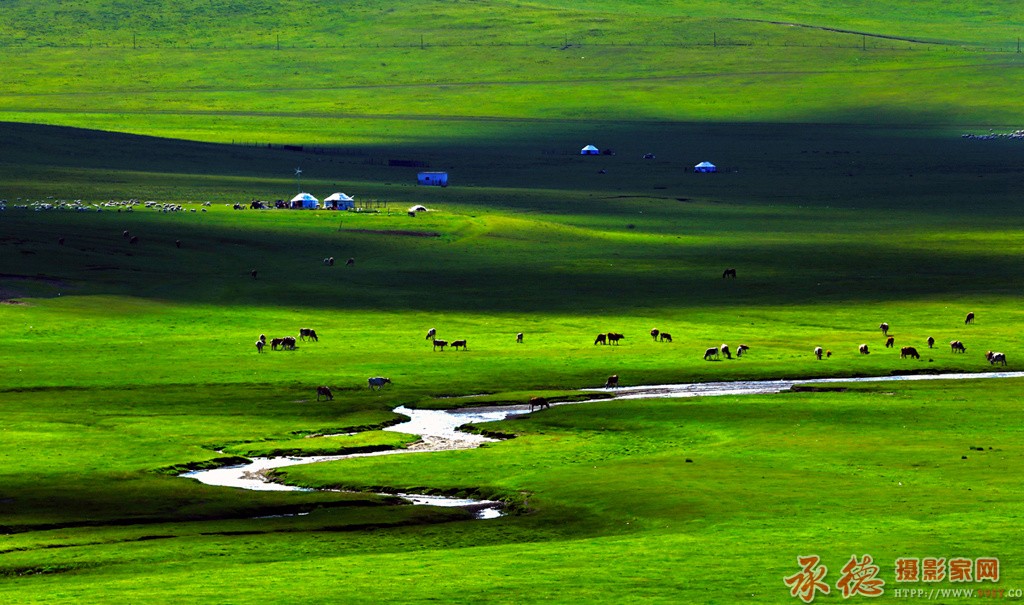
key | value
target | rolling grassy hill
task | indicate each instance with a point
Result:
(847, 197)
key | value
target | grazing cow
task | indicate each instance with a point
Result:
(741, 349)
(890, 342)
(665, 336)
(253, 273)
(828, 353)
(350, 262)
(613, 338)
(134, 240)
(601, 338)
(909, 352)
(325, 261)
(125, 234)
(378, 381)
(538, 402)
(308, 333)
(957, 346)
(654, 334)
(725, 351)
(729, 273)
(712, 352)
(177, 243)
(863, 349)
(431, 333)
(519, 337)
(326, 392)
(994, 358)
(263, 337)
(288, 342)
(818, 352)
(970, 318)
(330, 261)
(276, 342)
(440, 343)
(259, 346)
(612, 382)
(931, 342)
(459, 343)
(884, 327)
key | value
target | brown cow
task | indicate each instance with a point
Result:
(729, 273)
(440, 343)
(259, 346)
(666, 336)
(613, 382)
(654, 334)
(970, 318)
(712, 352)
(863, 349)
(818, 352)
(957, 346)
(519, 337)
(890, 342)
(884, 327)
(308, 333)
(613, 337)
(431, 333)
(740, 350)
(909, 352)
(459, 343)
(288, 342)
(276, 342)
(538, 402)
(725, 351)
(324, 391)
(931, 342)
(601, 338)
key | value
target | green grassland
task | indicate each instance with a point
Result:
(847, 197)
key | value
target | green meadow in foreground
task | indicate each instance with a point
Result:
(846, 197)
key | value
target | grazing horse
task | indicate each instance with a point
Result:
(612, 382)
(994, 358)
(890, 342)
(259, 346)
(970, 318)
(654, 334)
(712, 352)
(538, 402)
(957, 346)
(326, 392)
(884, 327)
(440, 343)
(288, 342)
(909, 352)
(276, 342)
(459, 343)
(818, 352)
(666, 336)
(741, 349)
(931, 342)
(519, 337)
(863, 349)
(613, 338)
(431, 333)
(729, 273)
(601, 338)
(378, 381)
(725, 351)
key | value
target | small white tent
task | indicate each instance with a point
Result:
(705, 167)
(590, 150)
(339, 201)
(305, 200)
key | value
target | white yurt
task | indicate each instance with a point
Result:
(590, 150)
(705, 167)
(305, 200)
(339, 201)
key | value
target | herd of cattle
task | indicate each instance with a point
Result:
(613, 338)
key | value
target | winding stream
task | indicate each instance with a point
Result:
(438, 430)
